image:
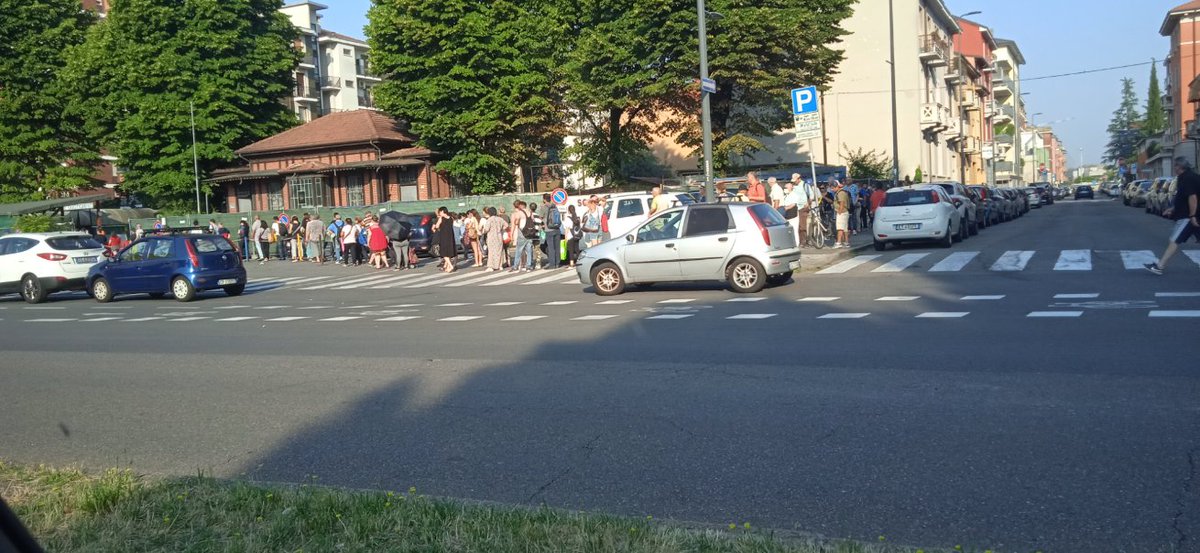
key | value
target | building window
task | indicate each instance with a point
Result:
(274, 196)
(354, 190)
(349, 83)
(306, 191)
(385, 190)
(347, 52)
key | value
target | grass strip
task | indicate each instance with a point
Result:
(69, 510)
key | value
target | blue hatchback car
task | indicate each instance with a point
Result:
(178, 264)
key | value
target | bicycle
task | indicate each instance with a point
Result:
(820, 227)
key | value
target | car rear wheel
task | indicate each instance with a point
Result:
(183, 290)
(32, 290)
(948, 239)
(101, 290)
(745, 276)
(963, 231)
(974, 228)
(880, 246)
(235, 290)
(781, 278)
(607, 280)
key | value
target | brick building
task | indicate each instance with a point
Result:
(346, 159)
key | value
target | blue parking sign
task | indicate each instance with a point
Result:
(804, 100)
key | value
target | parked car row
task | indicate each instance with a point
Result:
(36, 265)
(1153, 195)
(948, 212)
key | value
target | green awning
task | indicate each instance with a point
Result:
(39, 206)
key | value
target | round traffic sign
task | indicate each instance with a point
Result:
(559, 196)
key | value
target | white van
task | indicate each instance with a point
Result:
(626, 210)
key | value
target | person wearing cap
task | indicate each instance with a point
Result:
(804, 195)
(755, 190)
(841, 207)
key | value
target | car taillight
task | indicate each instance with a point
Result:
(425, 220)
(762, 228)
(192, 254)
(52, 256)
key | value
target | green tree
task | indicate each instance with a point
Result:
(1123, 130)
(918, 176)
(477, 81)
(871, 164)
(142, 68)
(36, 137)
(1155, 121)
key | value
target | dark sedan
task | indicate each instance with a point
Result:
(1082, 192)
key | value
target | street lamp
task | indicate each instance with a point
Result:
(705, 103)
(895, 126)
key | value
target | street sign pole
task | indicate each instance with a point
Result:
(806, 115)
(705, 109)
(812, 165)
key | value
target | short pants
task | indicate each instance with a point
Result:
(1183, 230)
(843, 221)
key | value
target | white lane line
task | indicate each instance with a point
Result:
(982, 298)
(1074, 260)
(285, 319)
(557, 303)
(307, 279)
(820, 299)
(49, 320)
(744, 299)
(398, 319)
(614, 302)
(1174, 314)
(315, 307)
(406, 305)
(525, 318)
(679, 300)
(273, 307)
(847, 265)
(357, 307)
(897, 298)
(900, 263)
(344, 282)
(99, 319)
(1177, 295)
(232, 307)
(453, 304)
(408, 280)
(339, 319)
(1194, 255)
(594, 317)
(843, 315)
(43, 307)
(1075, 296)
(488, 275)
(460, 319)
(1054, 314)
(142, 319)
(446, 280)
(504, 304)
(513, 278)
(187, 319)
(235, 319)
(751, 316)
(559, 274)
(1137, 259)
(1012, 260)
(954, 262)
(670, 317)
(943, 315)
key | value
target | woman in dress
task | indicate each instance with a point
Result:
(494, 229)
(378, 242)
(443, 238)
(591, 224)
(471, 223)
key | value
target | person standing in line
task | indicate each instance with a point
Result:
(742, 195)
(789, 206)
(278, 231)
(257, 224)
(350, 242)
(877, 197)
(806, 194)
(400, 248)
(1185, 211)
(443, 239)
(602, 204)
(852, 193)
(378, 243)
(243, 234)
(523, 232)
(591, 224)
(841, 206)
(335, 237)
(493, 229)
(552, 222)
(472, 236)
(776, 192)
(296, 237)
(314, 233)
(262, 242)
(755, 191)
(573, 230)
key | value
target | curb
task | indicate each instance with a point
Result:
(817, 261)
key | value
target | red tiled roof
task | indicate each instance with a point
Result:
(408, 152)
(1168, 25)
(336, 129)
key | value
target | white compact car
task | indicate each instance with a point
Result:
(36, 264)
(917, 213)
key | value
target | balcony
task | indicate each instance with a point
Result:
(953, 130)
(1003, 167)
(970, 145)
(1004, 114)
(306, 92)
(933, 117)
(308, 60)
(366, 101)
(1002, 87)
(331, 83)
(934, 50)
(362, 70)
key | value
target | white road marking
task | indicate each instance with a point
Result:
(1137, 259)
(142, 319)
(732, 300)
(187, 319)
(446, 279)
(943, 315)
(751, 316)
(453, 304)
(613, 302)
(847, 265)
(339, 319)
(273, 307)
(900, 263)
(898, 298)
(484, 277)
(43, 307)
(954, 262)
(525, 318)
(1173, 314)
(349, 281)
(285, 319)
(504, 304)
(49, 320)
(1054, 314)
(843, 316)
(1194, 255)
(513, 278)
(235, 319)
(99, 319)
(559, 274)
(398, 319)
(679, 300)
(1013, 260)
(406, 305)
(820, 299)
(982, 298)
(232, 307)
(1177, 295)
(460, 318)
(1074, 260)
(594, 317)
(407, 281)
(315, 307)
(670, 317)
(556, 303)
(1075, 296)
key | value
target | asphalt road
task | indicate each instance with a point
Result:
(980, 395)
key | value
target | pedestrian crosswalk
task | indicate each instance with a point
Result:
(1010, 261)
(386, 280)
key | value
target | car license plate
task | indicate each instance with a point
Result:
(226, 281)
(909, 226)
(91, 259)
(794, 265)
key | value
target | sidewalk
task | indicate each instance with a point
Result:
(812, 259)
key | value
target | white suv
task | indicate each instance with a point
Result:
(36, 264)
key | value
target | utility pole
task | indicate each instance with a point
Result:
(892, 63)
(705, 105)
(1018, 172)
(195, 157)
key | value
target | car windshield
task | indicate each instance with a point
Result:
(210, 244)
(1145, 186)
(73, 243)
(909, 197)
(948, 187)
(685, 199)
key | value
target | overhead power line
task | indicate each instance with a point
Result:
(1023, 79)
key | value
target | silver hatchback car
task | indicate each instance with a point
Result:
(747, 245)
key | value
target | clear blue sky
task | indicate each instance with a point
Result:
(1056, 36)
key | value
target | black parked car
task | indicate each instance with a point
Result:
(1084, 192)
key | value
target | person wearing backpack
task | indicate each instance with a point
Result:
(552, 222)
(573, 230)
(335, 233)
(524, 233)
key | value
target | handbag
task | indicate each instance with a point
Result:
(435, 250)
(791, 213)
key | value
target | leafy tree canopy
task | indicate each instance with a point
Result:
(870, 164)
(1155, 121)
(1123, 129)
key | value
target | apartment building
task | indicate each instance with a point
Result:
(1182, 26)
(334, 73)
(1008, 114)
(974, 46)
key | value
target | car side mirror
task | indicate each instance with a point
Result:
(629, 238)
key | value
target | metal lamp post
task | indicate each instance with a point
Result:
(195, 156)
(895, 125)
(705, 105)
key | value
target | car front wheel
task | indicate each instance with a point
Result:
(745, 276)
(880, 246)
(607, 280)
(183, 290)
(101, 290)
(32, 290)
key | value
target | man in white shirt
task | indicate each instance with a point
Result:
(777, 192)
(805, 197)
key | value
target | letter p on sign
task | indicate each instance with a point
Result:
(804, 100)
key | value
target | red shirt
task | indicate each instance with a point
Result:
(756, 193)
(877, 198)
